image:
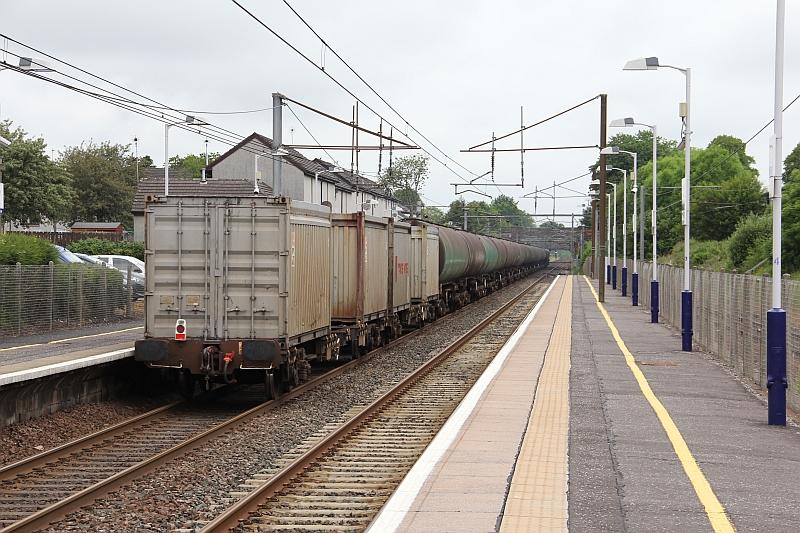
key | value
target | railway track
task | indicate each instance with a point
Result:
(342, 481)
(45, 488)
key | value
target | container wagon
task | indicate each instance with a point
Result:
(251, 289)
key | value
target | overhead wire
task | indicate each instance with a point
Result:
(340, 84)
(371, 88)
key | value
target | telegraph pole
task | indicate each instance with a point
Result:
(277, 141)
(601, 284)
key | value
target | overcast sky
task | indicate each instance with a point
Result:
(457, 70)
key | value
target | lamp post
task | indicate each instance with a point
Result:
(624, 226)
(776, 317)
(611, 267)
(3, 144)
(651, 63)
(628, 122)
(188, 119)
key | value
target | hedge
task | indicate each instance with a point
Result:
(25, 249)
(104, 247)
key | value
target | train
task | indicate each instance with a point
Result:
(254, 289)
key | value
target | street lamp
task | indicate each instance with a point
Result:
(629, 122)
(776, 317)
(3, 144)
(609, 168)
(28, 64)
(651, 63)
(188, 119)
(611, 269)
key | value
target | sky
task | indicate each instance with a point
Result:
(457, 71)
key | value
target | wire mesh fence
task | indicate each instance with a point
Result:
(730, 318)
(36, 299)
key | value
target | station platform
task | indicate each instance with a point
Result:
(37, 356)
(590, 418)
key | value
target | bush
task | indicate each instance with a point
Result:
(25, 249)
(752, 236)
(707, 255)
(104, 247)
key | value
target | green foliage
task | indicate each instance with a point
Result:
(192, 163)
(791, 226)
(551, 224)
(25, 249)
(642, 144)
(792, 164)
(706, 255)
(501, 205)
(734, 146)
(406, 173)
(104, 180)
(746, 242)
(407, 197)
(36, 189)
(433, 214)
(105, 247)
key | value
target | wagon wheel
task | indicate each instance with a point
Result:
(186, 384)
(270, 386)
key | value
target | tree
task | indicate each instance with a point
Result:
(640, 143)
(104, 181)
(791, 163)
(409, 173)
(551, 224)
(36, 189)
(723, 192)
(433, 214)
(735, 146)
(407, 197)
(192, 163)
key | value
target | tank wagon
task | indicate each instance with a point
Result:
(252, 289)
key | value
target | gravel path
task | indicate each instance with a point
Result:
(30, 437)
(196, 487)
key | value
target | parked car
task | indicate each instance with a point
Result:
(88, 259)
(65, 256)
(137, 279)
(122, 262)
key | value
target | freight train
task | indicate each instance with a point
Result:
(253, 288)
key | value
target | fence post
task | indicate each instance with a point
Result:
(52, 292)
(106, 303)
(19, 298)
(80, 296)
(129, 304)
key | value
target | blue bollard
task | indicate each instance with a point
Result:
(614, 277)
(635, 288)
(686, 321)
(624, 281)
(608, 274)
(776, 367)
(654, 301)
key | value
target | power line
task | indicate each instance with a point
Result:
(338, 83)
(371, 88)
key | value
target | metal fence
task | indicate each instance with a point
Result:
(730, 318)
(38, 299)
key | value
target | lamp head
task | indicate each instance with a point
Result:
(621, 122)
(609, 168)
(609, 150)
(4, 142)
(643, 63)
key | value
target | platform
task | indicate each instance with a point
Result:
(34, 357)
(590, 419)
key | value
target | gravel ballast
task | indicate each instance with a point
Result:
(193, 489)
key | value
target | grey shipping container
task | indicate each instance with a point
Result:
(424, 262)
(401, 265)
(238, 268)
(360, 265)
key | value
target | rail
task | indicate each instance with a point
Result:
(247, 505)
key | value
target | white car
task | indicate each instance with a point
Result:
(122, 262)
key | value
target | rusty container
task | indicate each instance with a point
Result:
(360, 246)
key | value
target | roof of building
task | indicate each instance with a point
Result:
(97, 225)
(311, 167)
(184, 187)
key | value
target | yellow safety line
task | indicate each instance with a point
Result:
(57, 341)
(714, 509)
